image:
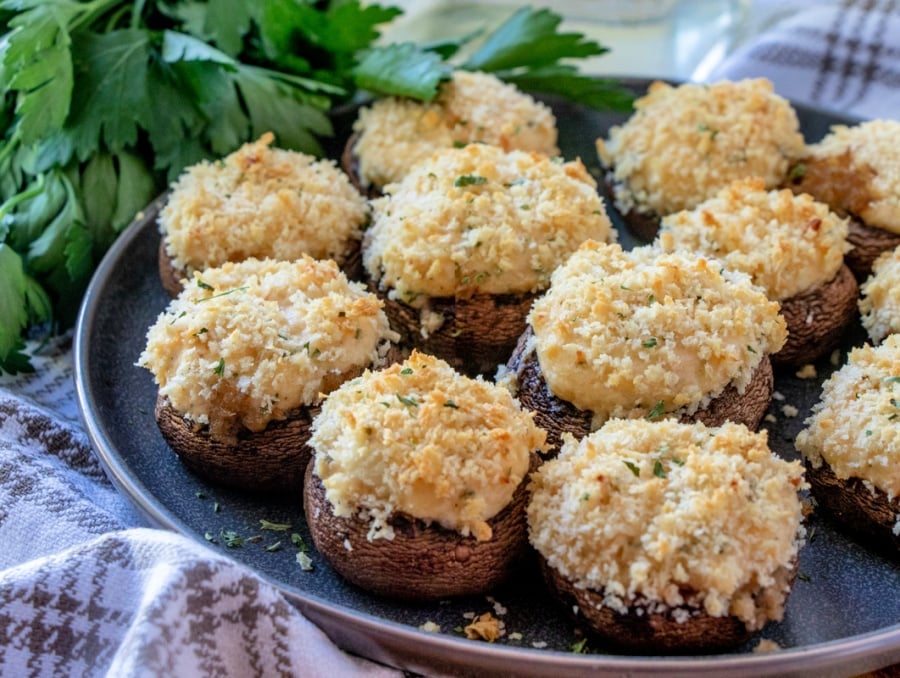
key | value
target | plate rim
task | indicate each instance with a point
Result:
(402, 646)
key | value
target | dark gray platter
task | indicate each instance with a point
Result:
(842, 618)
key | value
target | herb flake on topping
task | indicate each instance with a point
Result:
(219, 369)
(635, 470)
(657, 411)
(406, 370)
(409, 401)
(204, 286)
(580, 647)
(451, 404)
(649, 343)
(242, 288)
(464, 180)
(658, 469)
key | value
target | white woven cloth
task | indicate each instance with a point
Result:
(842, 56)
(87, 589)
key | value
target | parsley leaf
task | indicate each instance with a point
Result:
(403, 70)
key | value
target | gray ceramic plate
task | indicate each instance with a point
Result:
(841, 618)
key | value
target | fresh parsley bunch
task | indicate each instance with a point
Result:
(104, 102)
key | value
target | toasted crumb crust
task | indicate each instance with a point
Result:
(261, 202)
(788, 244)
(855, 426)
(419, 438)
(869, 154)
(394, 134)
(624, 334)
(670, 513)
(248, 342)
(684, 143)
(480, 220)
(880, 300)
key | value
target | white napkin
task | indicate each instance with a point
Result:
(843, 56)
(87, 590)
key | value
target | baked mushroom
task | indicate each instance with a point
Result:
(855, 169)
(880, 300)
(393, 133)
(683, 143)
(645, 334)
(417, 487)
(242, 357)
(459, 248)
(669, 537)
(851, 445)
(790, 245)
(259, 202)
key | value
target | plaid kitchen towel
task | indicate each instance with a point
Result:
(86, 589)
(843, 56)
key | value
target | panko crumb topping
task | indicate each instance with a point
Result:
(261, 202)
(419, 438)
(879, 302)
(868, 160)
(643, 333)
(396, 133)
(480, 220)
(684, 143)
(246, 343)
(788, 244)
(855, 426)
(672, 516)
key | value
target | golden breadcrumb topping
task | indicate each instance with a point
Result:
(676, 514)
(788, 244)
(246, 343)
(855, 426)
(396, 133)
(480, 220)
(682, 144)
(880, 300)
(643, 332)
(261, 202)
(421, 439)
(871, 150)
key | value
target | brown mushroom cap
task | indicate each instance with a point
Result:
(868, 244)
(644, 225)
(863, 509)
(271, 460)
(558, 416)
(423, 561)
(171, 275)
(816, 320)
(350, 165)
(477, 333)
(645, 629)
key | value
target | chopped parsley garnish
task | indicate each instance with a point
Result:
(297, 541)
(797, 172)
(657, 411)
(580, 647)
(275, 527)
(451, 404)
(751, 349)
(649, 343)
(305, 561)
(406, 370)
(658, 469)
(407, 400)
(464, 180)
(242, 288)
(633, 468)
(651, 299)
(219, 369)
(271, 548)
(204, 286)
(232, 539)
(804, 577)
(894, 380)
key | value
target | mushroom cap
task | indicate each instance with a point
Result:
(869, 243)
(271, 460)
(350, 165)
(644, 628)
(474, 335)
(558, 416)
(864, 510)
(423, 561)
(643, 224)
(816, 319)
